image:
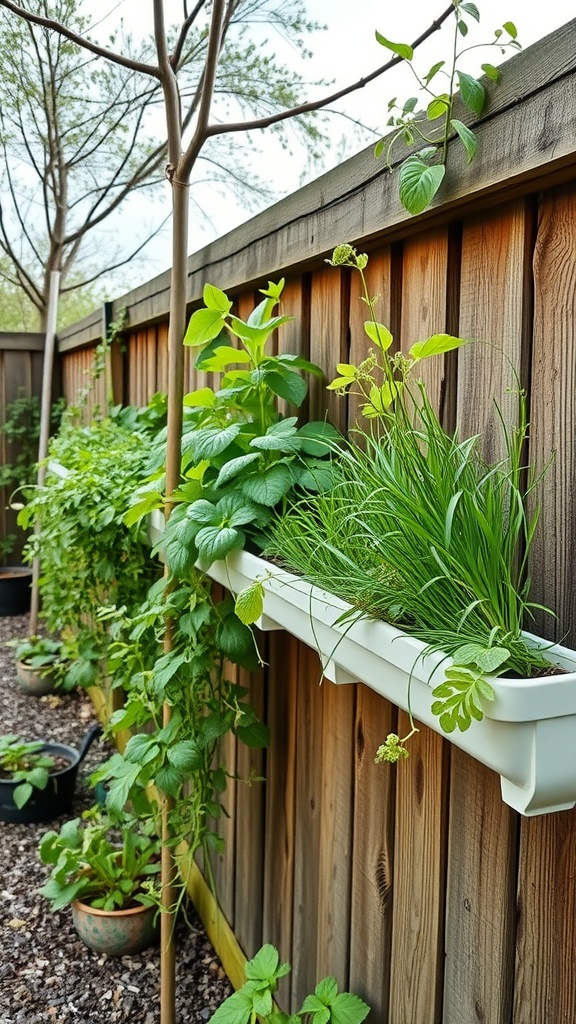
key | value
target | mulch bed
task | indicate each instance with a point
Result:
(47, 976)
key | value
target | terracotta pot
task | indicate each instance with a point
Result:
(15, 589)
(115, 932)
(35, 682)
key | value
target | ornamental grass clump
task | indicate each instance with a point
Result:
(420, 530)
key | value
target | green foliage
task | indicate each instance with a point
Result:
(110, 865)
(422, 173)
(420, 530)
(255, 999)
(82, 538)
(21, 433)
(240, 458)
(23, 762)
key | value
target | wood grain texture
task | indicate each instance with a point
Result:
(492, 301)
(328, 340)
(424, 300)
(250, 797)
(480, 912)
(372, 856)
(419, 880)
(335, 853)
(553, 413)
(545, 980)
(282, 698)
(307, 824)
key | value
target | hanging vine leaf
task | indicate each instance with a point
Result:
(420, 180)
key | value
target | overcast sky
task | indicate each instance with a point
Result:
(347, 50)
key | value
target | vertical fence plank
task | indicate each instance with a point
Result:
(282, 694)
(338, 712)
(482, 844)
(328, 340)
(307, 826)
(546, 988)
(372, 857)
(250, 829)
(419, 866)
(424, 294)
(545, 983)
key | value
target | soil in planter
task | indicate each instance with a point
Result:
(46, 972)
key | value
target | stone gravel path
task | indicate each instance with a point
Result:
(47, 976)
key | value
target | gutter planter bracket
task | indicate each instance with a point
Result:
(528, 734)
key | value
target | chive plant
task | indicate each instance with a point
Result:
(420, 530)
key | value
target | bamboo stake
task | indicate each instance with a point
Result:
(45, 408)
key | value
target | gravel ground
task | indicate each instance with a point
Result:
(47, 976)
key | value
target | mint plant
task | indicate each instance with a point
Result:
(23, 762)
(254, 1001)
(422, 173)
(240, 459)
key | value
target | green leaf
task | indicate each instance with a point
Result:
(467, 138)
(249, 603)
(169, 780)
(401, 49)
(223, 357)
(214, 542)
(277, 443)
(22, 794)
(435, 346)
(270, 486)
(492, 658)
(287, 385)
(204, 325)
(419, 183)
(410, 105)
(472, 10)
(216, 299)
(348, 1008)
(433, 71)
(38, 778)
(210, 441)
(236, 1009)
(379, 148)
(202, 398)
(186, 756)
(472, 92)
(256, 735)
(438, 107)
(327, 990)
(318, 438)
(379, 334)
(235, 639)
(491, 72)
(264, 964)
(511, 29)
(235, 466)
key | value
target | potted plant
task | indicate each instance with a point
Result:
(40, 664)
(37, 779)
(107, 872)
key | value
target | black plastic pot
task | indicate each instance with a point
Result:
(56, 799)
(15, 589)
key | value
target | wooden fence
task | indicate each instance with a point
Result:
(415, 886)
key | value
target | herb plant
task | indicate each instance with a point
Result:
(108, 865)
(239, 457)
(422, 173)
(254, 1000)
(23, 762)
(419, 530)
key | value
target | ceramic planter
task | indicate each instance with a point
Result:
(115, 932)
(528, 734)
(15, 583)
(46, 804)
(35, 682)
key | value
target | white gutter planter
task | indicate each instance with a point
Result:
(528, 734)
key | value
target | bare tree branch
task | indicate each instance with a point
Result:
(187, 25)
(307, 108)
(87, 44)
